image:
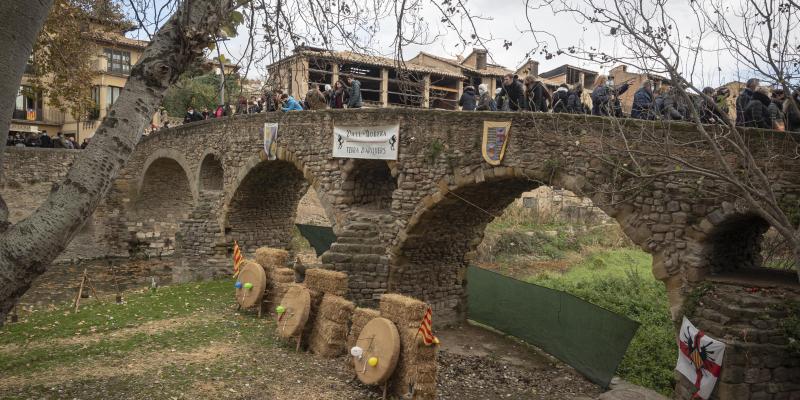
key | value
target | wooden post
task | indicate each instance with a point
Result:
(384, 87)
(334, 73)
(426, 91)
(80, 291)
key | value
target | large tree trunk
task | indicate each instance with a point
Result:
(28, 248)
(20, 22)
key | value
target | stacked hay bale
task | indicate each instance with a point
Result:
(282, 279)
(329, 329)
(360, 318)
(327, 281)
(279, 278)
(417, 365)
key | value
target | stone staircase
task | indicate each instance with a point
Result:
(360, 250)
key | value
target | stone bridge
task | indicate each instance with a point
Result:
(412, 225)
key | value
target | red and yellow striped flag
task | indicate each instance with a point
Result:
(425, 329)
(237, 258)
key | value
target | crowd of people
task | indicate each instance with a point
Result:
(346, 93)
(16, 139)
(756, 106)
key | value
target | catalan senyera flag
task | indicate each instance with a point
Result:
(237, 258)
(425, 329)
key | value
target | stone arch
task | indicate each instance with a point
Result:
(165, 196)
(211, 175)
(262, 207)
(174, 156)
(430, 259)
(368, 184)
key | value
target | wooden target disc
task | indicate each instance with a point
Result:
(297, 305)
(252, 274)
(379, 339)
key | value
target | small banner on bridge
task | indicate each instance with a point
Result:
(585, 336)
(371, 142)
(495, 140)
(320, 237)
(271, 141)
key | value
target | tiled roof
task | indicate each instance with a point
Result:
(115, 38)
(491, 69)
(380, 61)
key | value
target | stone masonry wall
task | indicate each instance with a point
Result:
(29, 174)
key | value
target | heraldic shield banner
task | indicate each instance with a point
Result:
(270, 141)
(495, 140)
(699, 358)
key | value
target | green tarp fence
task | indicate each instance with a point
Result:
(589, 338)
(320, 237)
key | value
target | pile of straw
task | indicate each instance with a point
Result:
(326, 281)
(282, 275)
(329, 334)
(417, 363)
(360, 318)
(270, 257)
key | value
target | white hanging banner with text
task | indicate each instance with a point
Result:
(373, 142)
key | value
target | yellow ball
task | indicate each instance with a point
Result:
(373, 361)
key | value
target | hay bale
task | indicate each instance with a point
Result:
(283, 275)
(327, 281)
(270, 257)
(406, 312)
(336, 308)
(278, 291)
(359, 319)
(319, 346)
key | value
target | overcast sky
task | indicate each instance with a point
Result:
(506, 20)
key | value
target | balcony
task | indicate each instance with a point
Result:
(47, 116)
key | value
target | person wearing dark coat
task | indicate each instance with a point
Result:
(665, 106)
(485, 100)
(643, 102)
(560, 98)
(45, 140)
(775, 110)
(792, 111)
(574, 102)
(744, 99)
(192, 116)
(755, 113)
(601, 96)
(514, 92)
(354, 91)
(469, 99)
(536, 95)
(707, 107)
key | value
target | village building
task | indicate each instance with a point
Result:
(426, 81)
(620, 75)
(113, 60)
(114, 57)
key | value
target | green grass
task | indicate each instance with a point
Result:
(167, 302)
(204, 300)
(620, 280)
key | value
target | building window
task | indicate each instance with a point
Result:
(118, 61)
(28, 104)
(94, 112)
(112, 95)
